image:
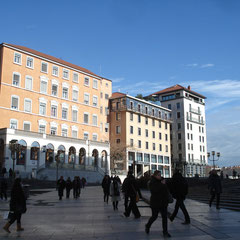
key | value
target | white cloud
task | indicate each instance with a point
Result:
(207, 65)
(192, 65)
(117, 80)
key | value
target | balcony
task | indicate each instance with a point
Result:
(196, 111)
(195, 120)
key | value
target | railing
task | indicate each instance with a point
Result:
(195, 120)
(193, 110)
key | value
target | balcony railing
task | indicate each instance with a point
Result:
(193, 110)
(195, 120)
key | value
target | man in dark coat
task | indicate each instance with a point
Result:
(179, 190)
(158, 202)
(106, 188)
(215, 186)
(75, 187)
(131, 189)
(3, 188)
(61, 185)
(68, 187)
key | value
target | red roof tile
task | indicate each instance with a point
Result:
(117, 95)
(43, 55)
(175, 88)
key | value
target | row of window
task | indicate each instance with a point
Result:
(191, 158)
(53, 110)
(55, 89)
(147, 158)
(55, 70)
(53, 129)
(177, 105)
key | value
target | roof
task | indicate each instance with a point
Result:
(175, 88)
(58, 60)
(117, 95)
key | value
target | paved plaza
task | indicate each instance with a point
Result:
(90, 218)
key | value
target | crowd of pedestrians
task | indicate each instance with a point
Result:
(76, 185)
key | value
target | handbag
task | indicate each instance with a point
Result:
(7, 215)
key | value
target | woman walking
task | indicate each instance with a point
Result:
(106, 187)
(115, 193)
(17, 206)
(158, 202)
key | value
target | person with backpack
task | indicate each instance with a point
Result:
(179, 190)
(115, 193)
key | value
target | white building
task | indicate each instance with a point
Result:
(188, 132)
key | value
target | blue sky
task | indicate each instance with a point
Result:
(145, 46)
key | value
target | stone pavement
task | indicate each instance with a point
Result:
(90, 218)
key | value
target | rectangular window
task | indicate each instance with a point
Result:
(75, 77)
(65, 93)
(74, 133)
(75, 95)
(139, 131)
(65, 74)
(16, 80)
(154, 146)
(106, 96)
(139, 144)
(166, 160)
(53, 111)
(53, 131)
(86, 81)
(86, 98)
(188, 126)
(166, 137)
(160, 159)
(13, 124)
(160, 125)
(95, 84)
(55, 71)
(178, 114)
(146, 145)
(153, 158)
(146, 132)
(74, 115)
(42, 129)
(26, 126)
(179, 146)
(146, 120)
(44, 67)
(166, 148)
(94, 119)
(64, 113)
(191, 137)
(27, 105)
(179, 126)
(14, 104)
(106, 127)
(188, 146)
(29, 62)
(179, 136)
(139, 118)
(131, 142)
(118, 130)
(64, 132)
(178, 105)
(169, 106)
(86, 118)
(160, 136)
(28, 82)
(18, 58)
(118, 140)
(131, 116)
(131, 129)
(94, 138)
(54, 90)
(153, 122)
(42, 109)
(118, 116)
(200, 138)
(95, 101)
(43, 87)
(85, 136)
(166, 126)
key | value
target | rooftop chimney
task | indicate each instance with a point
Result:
(189, 87)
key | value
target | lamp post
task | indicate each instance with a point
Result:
(213, 159)
(57, 162)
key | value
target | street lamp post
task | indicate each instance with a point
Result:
(213, 159)
(57, 162)
(14, 147)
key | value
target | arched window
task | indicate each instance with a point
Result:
(21, 153)
(61, 153)
(82, 156)
(104, 159)
(35, 147)
(95, 157)
(49, 154)
(72, 155)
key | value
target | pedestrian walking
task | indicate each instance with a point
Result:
(61, 184)
(179, 190)
(106, 188)
(17, 206)
(79, 186)
(132, 191)
(3, 188)
(84, 182)
(10, 172)
(68, 187)
(215, 187)
(75, 187)
(115, 193)
(158, 202)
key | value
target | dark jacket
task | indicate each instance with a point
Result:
(159, 193)
(130, 187)
(214, 183)
(18, 201)
(179, 186)
(68, 184)
(106, 185)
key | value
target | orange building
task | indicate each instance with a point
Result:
(52, 107)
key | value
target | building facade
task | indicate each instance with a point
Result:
(47, 98)
(188, 130)
(139, 136)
